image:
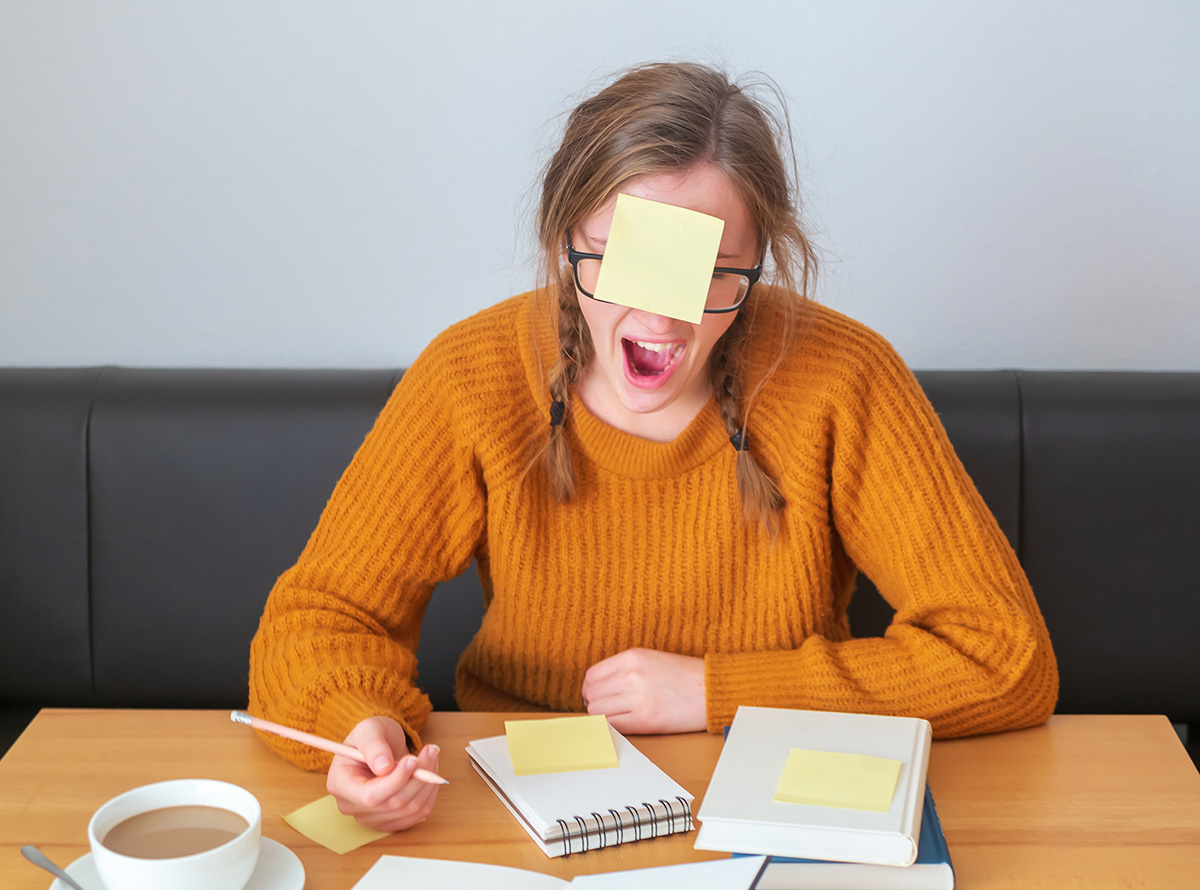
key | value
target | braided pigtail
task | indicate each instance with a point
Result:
(573, 345)
(761, 497)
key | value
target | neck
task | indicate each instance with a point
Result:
(663, 425)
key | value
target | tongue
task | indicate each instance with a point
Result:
(645, 362)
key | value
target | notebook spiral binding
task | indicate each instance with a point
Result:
(635, 822)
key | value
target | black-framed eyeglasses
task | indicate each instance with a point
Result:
(730, 287)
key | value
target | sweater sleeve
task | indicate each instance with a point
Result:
(968, 648)
(338, 637)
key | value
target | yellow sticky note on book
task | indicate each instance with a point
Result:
(322, 822)
(560, 745)
(833, 779)
(660, 258)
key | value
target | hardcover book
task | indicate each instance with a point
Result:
(932, 870)
(744, 810)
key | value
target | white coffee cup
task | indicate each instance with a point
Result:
(226, 867)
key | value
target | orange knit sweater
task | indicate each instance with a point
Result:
(653, 551)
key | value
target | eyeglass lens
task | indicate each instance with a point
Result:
(727, 289)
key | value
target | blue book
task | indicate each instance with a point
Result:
(931, 871)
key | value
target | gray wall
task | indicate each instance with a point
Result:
(303, 184)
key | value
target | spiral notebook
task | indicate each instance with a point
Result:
(575, 812)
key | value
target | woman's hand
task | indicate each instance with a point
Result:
(384, 795)
(647, 691)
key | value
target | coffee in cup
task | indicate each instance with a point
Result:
(186, 834)
(174, 831)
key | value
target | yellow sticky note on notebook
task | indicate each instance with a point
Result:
(833, 779)
(560, 745)
(660, 258)
(322, 822)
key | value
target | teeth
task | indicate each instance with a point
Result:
(660, 347)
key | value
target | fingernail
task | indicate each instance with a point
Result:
(380, 764)
(410, 761)
(434, 750)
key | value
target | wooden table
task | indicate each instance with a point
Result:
(1084, 801)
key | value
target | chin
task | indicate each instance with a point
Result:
(640, 401)
(646, 406)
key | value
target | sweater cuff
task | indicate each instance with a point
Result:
(763, 679)
(340, 713)
(336, 716)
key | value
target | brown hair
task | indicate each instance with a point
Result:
(668, 117)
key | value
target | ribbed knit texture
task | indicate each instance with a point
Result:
(653, 550)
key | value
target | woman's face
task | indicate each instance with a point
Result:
(648, 375)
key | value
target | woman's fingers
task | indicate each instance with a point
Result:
(389, 799)
(410, 804)
(370, 737)
(644, 690)
(398, 800)
(610, 704)
(359, 791)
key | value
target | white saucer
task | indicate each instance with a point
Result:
(278, 869)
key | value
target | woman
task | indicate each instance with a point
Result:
(667, 517)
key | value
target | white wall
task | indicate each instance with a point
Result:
(994, 184)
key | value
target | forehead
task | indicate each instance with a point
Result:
(703, 188)
(697, 188)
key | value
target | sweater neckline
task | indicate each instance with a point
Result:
(637, 458)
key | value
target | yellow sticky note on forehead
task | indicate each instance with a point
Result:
(560, 744)
(660, 258)
(832, 779)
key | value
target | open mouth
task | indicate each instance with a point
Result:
(650, 363)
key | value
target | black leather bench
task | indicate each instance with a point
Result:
(145, 514)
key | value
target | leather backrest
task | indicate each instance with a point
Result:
(145, 514)
(1110, 535)
(205, 485)
(45, 638)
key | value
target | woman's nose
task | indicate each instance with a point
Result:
(652, 321)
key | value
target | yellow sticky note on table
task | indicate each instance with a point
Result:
(322, 822)
(833, 779)
(560, 745)
(660, 258)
